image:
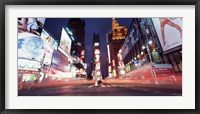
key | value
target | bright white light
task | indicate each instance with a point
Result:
(97, 51)
(109, 68)
(96, 44)
(120, 51)
(108, 53)
(98, 73)
(143, 47)
(122, 72)
(150, 42)
(142, 53)
(70, 33)
(72, 38)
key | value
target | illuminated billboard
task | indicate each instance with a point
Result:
(25, 64)
(49, 40)
(65, 42)
(59, 61)
(169, 31)
(32, 47)
(31, 25)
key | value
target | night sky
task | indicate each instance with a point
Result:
(99, 26)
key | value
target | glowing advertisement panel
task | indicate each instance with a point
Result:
(59, 61)
(31, 25)
(24, 64)
(169, 31)
(65, 42)
(49, 40)
(31, 46)
(125, 47)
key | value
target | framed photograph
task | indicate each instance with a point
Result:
(102, 56)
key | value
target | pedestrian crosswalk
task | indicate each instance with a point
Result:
(102, 86)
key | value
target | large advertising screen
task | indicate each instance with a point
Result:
(31, 25)
(169, 31)
(59, 61)
(25, 64)
(49, 40)
(32, 47)
(65, 42)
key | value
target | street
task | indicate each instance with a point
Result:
(99, 56)
(106, 89)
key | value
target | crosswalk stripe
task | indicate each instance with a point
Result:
(90, 86)
(108, 86)
(101, 86)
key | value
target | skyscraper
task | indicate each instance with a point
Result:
(76, 25)
(114, 43)
(95, 67)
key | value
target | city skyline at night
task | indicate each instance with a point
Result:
(81, 56)
(100, 26)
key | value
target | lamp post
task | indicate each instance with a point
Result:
(42, 69)
(149, 42)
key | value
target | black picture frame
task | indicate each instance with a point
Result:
(98, 2)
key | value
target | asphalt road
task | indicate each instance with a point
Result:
(106, 90)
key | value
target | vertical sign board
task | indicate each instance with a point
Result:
(169, 31)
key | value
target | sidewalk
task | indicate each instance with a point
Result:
(36, 85)
(141, 82)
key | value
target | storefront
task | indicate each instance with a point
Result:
(174, 58)
(170, 37)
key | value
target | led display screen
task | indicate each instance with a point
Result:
(59, 61)
(31, 25)
(32, 47)
(49, 40)
(65, 42)
(28, 64)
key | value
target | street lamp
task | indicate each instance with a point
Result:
(143, 47)
(149, 42)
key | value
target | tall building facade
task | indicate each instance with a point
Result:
(77, 28)
(145, 44)
(96, 64)
(76, 31)
(115, 40)
(139, 44)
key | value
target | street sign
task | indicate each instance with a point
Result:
(163, 69)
